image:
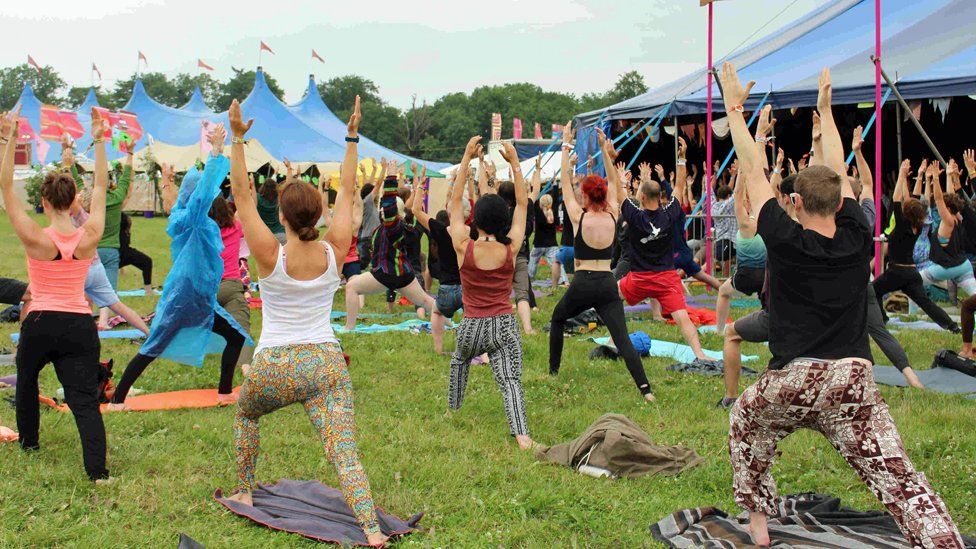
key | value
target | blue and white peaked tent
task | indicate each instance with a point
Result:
(929, 48)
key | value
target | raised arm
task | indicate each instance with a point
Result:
(420, 205)
(763, 128)
(833, 147)
(536, 179)
(901, 185)
(96, 218)
(566, 170)
(776, 177)
(816, 146)
(734, 95)
(263, 245)
(863, 168)
(484, 186)
(935, 171)
(517, 232)
(614, 182)
(953, 183)
(340, 232)
(26, 228)
(681, 175)
(458, 230)
(920, 178)
(167, 184)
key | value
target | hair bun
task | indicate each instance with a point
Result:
(306, 234)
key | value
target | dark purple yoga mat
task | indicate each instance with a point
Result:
(313, 510)
(9, 380)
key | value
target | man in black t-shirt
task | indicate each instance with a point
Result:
(820, 376)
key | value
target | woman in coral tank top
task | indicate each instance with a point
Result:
(58, 327)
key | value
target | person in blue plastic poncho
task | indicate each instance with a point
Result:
(186, 326)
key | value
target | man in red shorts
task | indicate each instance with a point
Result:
(651, 247)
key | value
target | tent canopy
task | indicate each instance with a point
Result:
(927, 46)
(306, 132)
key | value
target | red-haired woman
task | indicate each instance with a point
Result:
(593, 286)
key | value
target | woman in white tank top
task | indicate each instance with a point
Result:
(298, 358)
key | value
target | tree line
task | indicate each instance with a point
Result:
(433, 131)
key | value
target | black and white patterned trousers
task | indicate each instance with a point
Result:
(501, 338)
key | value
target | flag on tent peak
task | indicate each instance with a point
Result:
(142, 57)
(203, 65)
(315, 55)
(31, 62)
(95, 69)
(266, 48)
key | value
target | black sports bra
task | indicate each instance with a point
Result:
(583, 251)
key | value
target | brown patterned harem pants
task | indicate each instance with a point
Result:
(840, 400)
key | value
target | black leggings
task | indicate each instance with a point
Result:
(967, 309)
(909, 281)
(70, 342)
(228, 361)
(139, 260)
(596, 290)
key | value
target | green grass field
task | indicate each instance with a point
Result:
(465, 472)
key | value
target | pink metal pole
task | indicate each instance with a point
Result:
(707, 185)
(877, 137)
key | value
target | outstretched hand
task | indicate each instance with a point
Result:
(569, 132)
(858, 139)
(98, 125)
(817, 131)
(217, 138)
(354, 119)
(237, 124)
(969, 159)
(733, 92)
(508, 153)
(766, 121)
(473, 148)
(682, 148)
(825, 96)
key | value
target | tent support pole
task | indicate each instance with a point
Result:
(878, 137)
(706, 188)
(911, 116)
(898, 132)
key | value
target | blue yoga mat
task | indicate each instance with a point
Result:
(677, 351)
(105, 334)
(135, 293)
(405, 326)
(898, 324)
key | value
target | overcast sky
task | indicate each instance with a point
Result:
(425, 48)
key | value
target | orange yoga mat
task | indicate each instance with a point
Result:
(173, 400)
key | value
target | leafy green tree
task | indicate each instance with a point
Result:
(339, 93)
(157, 85)
(629, 84)
(209, 87)
(77, 94)
(47, 85)
(240, 85)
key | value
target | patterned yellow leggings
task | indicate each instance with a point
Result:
(316, 376)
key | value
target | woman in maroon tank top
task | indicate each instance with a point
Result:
(487, 265)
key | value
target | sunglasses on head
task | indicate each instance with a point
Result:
(793, 197)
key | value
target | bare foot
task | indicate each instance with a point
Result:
(117, 407)
(245, 369)
(244, 496)
(759, 529)
(530, 331)
(148, 290)
(377, 539)
(526, 443)
(349, 328)
(421, 313)
(649, 397)
(102, 326)
(105, 481)
(227, 400)
(657, 318)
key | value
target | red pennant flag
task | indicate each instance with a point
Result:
(203, 65)
(142, 57)
(95, 68)
(56, 122)
(516, 128)
(25, 132)
(315, 55)
(31, 62)
(266, 48)
(538, 130)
